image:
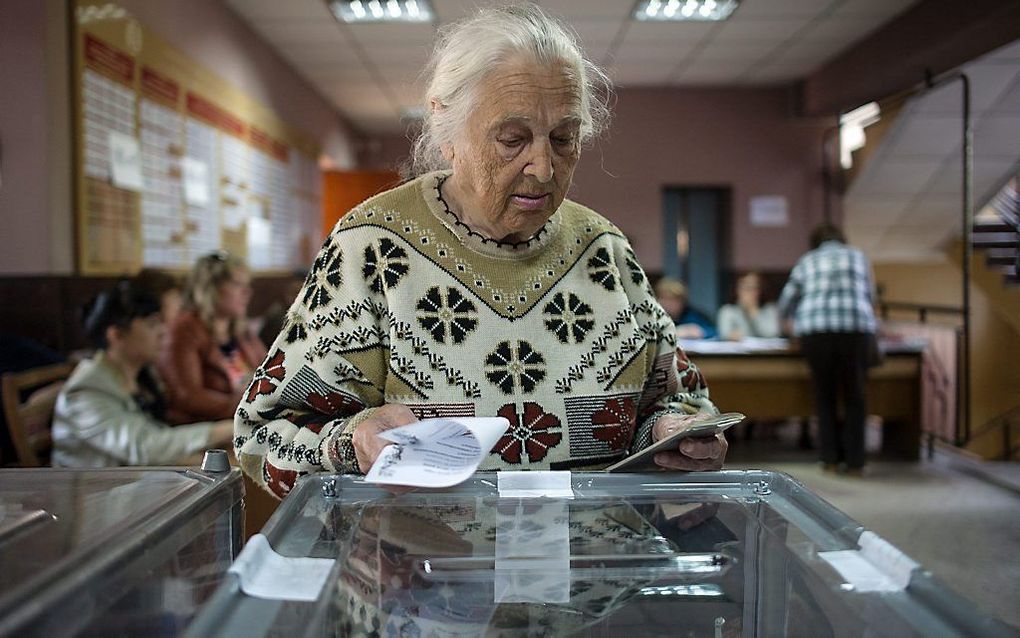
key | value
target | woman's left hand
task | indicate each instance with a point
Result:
(693, 454)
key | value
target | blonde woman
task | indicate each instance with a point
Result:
(210, 352)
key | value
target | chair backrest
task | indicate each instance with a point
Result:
(29, 418)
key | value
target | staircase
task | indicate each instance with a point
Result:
(997, 233)
(996, 237)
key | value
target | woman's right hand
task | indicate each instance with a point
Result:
(367, 445)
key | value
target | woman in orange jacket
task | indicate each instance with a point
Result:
(210, 351)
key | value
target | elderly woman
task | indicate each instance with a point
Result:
(477, 289)
(210, 352)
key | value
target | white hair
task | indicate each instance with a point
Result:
(468, 50)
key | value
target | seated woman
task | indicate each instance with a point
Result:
(748, 317)
(690, 322)
(165, 287)
(107, 412)
(477, 289)
(210, 351)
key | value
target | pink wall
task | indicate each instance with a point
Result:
(384, 153)
(25, 222)
(744, 139)
(35, 197)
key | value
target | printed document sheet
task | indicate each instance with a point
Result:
(436, 452)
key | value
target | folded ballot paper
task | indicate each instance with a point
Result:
(436, 452)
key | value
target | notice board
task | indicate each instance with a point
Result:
(172, 161)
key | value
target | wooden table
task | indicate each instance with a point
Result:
(777, 385)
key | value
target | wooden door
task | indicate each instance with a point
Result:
(343, 190)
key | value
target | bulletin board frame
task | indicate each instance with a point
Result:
(172, 161)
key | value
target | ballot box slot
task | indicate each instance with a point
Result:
(589, 567)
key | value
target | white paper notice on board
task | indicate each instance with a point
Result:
(769, 210)
(259, 234)
(196, 181)
(259, 239)
(232, 217)
(125, 161)
(436, 452)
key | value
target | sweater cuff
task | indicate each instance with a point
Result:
(338, 446)
(643, 436)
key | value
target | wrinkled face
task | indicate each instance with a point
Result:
(513, 164)
(233, 295)
(140, 342)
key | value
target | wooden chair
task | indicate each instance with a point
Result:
(29, 419)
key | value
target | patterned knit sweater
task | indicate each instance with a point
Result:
(560, 334)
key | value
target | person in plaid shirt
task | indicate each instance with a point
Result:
(830, 295)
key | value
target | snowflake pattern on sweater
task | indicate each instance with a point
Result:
(560, 334)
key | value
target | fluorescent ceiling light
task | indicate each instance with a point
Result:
(865, 115)
(381, 10)
(695, 10)
(851, 131)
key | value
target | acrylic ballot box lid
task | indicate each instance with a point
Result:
(735, 553)
(77, 544)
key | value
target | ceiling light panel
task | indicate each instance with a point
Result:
(354, 11)
(684, 10)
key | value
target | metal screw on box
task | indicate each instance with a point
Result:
(329, 488)
(216, 461)
(762, 488)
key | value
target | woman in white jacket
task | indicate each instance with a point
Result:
(748, 317)
(108, 413)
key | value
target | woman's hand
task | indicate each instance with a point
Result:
(692, 454)
(367, 445)
(689, 331)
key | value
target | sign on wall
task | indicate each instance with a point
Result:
(173, 162)
(769, 210)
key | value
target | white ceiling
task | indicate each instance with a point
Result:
(906, 204)
(370, 71)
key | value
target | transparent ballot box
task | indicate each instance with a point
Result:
(113, 552)
(736, 553)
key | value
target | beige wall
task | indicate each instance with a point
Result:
(744, 139)
(995, 343)
(936, 283)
